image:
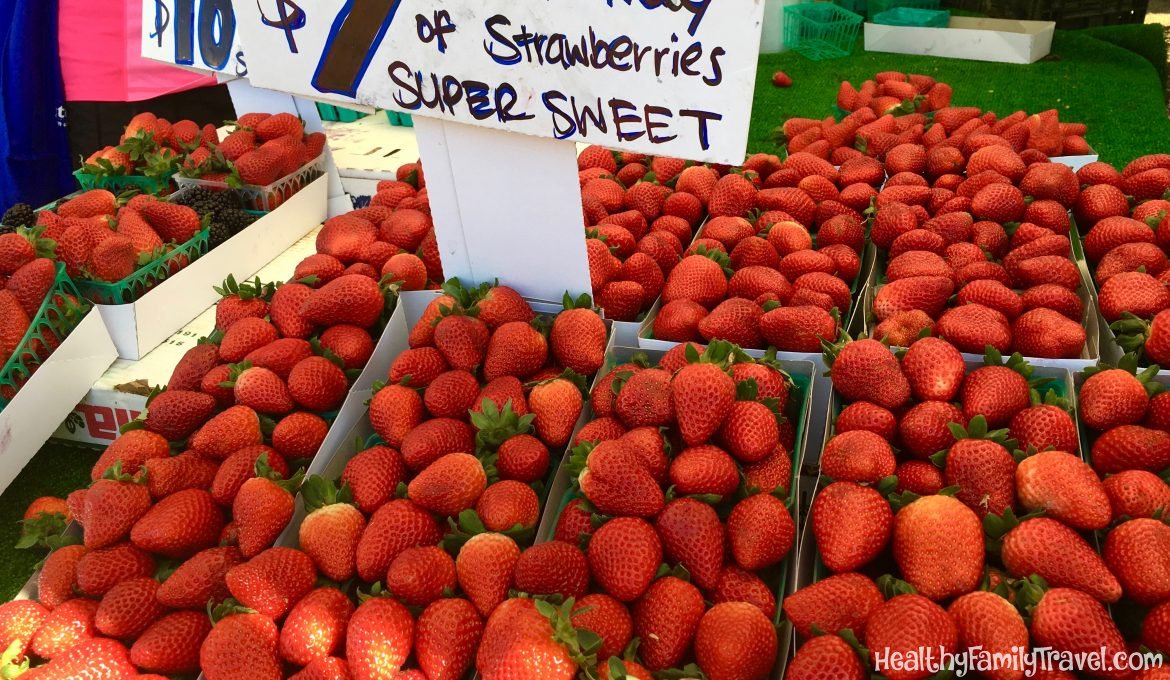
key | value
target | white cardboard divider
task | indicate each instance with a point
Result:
(140, 326)
(28, 421)
(535, 240)
(1003, 40)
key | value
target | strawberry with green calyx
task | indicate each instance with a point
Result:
(980, 467)
(263, 507)
(666, 618)
(249, 298)
(1072, 622)
(866, 370)
(615, 480)
(394, 411)
(494, 426)
(241, 638)
(1045, 547)
(999, 390)
(1047, 424)
(112, 506)
(752, 428)
(556, 405)
(332, 528)
(703, 392)
(701, 277)
(259, 389)
(469, 524)
(577, 336)
(43, 522)
(1111, 397)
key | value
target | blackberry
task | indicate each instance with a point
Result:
(19, 215)
(219, 232)
(204, 201)
(236, 219)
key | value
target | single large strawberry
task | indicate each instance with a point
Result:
(519, 642)
(394, 411)
(515, 349)
(484, 569)
(19, 621)
(1057, 554)
(273, 581)
(1136, 553)
(989, 622)
(1065, 488)
(262, 508)
(934, 369)
(858, 456)
(996, 392)
(199, 579)
(348, 299)
(703, 395)
(851, 525)
(666, 618)
(825, 656)
(577, 337)
(129, 608)
(555, 567)
(1070, 621)
(906, 624)
(394, 527)
(176, 414)
(866, 370)
(735, 640)
(315, 626)
(179, 525)
(623, 557)
(448, 486)
(693, 536)
(372, 476)
(833, 604)
(760, 531)
(447, 635)
(616, 481)
(1113, 397)
(171, 644)
(241, 645)
(112, 506)
(556, 405)
(66, 626)
(938, 545)
(132, 449)
(330, 532)
(98, 658)
(227, 432)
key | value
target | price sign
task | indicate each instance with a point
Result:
(195, 34)
(668, 77)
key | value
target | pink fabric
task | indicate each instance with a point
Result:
(99, 43)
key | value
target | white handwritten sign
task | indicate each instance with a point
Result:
(671, 77)
(202, 35)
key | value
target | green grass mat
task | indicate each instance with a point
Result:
(1114, 90)
(56, 470)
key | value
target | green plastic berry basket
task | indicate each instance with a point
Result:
(909, 16)
(340, 114)
(855, 6)
(159, 186)
(56, 318)
(148, 276)
(821, 30)
(877, 7)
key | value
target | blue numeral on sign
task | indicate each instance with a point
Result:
(216, 49)
(353, 39)
(185, 32)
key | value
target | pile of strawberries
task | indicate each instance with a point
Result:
(983, 259)
(102, 238)
(895, 93)
(218, 506)
(686, 462)
(780, 232)
(640, 213)
(878, 123)
(150, 146)
(393, 238)
(956, 474)
(27, 277)
(1124, 219)
(261, 149)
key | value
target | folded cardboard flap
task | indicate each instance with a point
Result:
(1000, 40)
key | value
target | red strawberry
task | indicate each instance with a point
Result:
(67, 625)
(395, 526)
(692, 534)
(179, 525)
(262, 508)
(1136, 493)
(447, 635)
(91, 658)
(1057, 554)
(129, 608)
(330, 532)
(1066, 489)
(851, 525)
(1112, 397)
(666, 618)
(199, 579)
(171, 644)
(112, 506)
(524, 624)
(1071, 621)
(241, 641)
(131, 450)
(372, 477)
(273, 581)
(905, 624)
(395, 410)
(760, 531)
(19, 621)
(484, 569)
(227, 432)
(515, 349)
(556, 405)
(315, 626)
(833, 604)
(996, 392)
(748, 652)
(551, 568)
(623, 556)
(1134, 552)
(823, 655)
(866, 370)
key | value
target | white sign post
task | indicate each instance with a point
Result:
(664, 77)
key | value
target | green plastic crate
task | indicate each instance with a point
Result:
(909, 16)
(55, 319)
(400, 119)
(878, 6)
(146, 277)
(855, 6)
(159, 186)
(820, 30)
(333, 113)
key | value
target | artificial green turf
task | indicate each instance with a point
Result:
(56, 470)
(1145, 40)
(1113, 90)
